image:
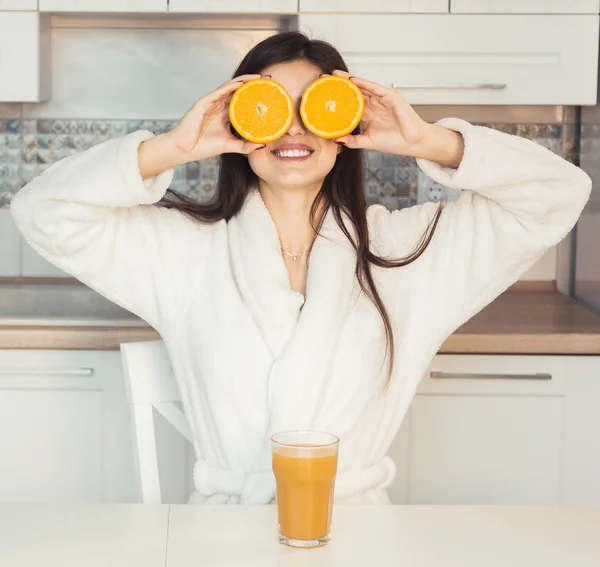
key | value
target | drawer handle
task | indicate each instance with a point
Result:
(469, 87)
(46, 371)
(489, 376)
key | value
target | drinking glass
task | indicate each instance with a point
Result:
(305, 466)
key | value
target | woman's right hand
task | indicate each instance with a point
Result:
(203, 132)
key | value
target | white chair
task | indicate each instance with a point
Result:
(150, 385)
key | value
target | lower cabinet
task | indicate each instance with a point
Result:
(502, 430)
(64, 428)
(481, 430)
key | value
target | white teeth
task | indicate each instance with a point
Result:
(292, 153)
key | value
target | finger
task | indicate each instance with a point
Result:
(226, 89)
(355, 142)
(243, 146)
(372, 88)
(243, 78)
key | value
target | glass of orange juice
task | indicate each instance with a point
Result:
(305, 466)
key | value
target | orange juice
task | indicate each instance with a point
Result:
(305, 475)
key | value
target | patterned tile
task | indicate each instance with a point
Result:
(28, 147)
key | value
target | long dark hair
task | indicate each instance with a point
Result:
(342, 191)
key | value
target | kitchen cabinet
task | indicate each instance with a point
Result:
(24, 57)
(103, 5)
(502, 430)
(65, 427)
(470, 59)
(524, 6)
(235, 6)
(373, 6)
(20, 5)
(10, 245)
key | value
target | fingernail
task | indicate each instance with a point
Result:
(340, 143)
(266, 76)
(261, 147)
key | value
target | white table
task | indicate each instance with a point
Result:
(94, 535)
(407, 536)
(398, 536)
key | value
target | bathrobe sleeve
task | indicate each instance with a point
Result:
(520, 199)
(92, 215)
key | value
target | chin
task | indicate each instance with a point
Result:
(294, 182)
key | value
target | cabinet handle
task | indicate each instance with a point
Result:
(46, 371)
(466, 86)
(488, 376)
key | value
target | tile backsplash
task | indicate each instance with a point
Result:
(29, 146)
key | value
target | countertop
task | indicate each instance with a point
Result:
(537, 321)
(134, 535)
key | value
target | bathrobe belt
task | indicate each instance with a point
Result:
(259, 487)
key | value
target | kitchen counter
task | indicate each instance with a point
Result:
(518, 322)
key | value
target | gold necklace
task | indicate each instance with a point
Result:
(294, 256)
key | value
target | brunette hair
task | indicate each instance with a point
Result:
(342, 191)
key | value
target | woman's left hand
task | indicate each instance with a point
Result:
(391, 125)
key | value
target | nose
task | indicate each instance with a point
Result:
(296, 128)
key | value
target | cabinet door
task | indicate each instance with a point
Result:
(505, 430)
(103, 5)
(489, 430)
(24, 57)
(10, 245)
(64, 426)
(21, 5)
(373, 6)
(235, 6)
(470, 59)
(524, 6)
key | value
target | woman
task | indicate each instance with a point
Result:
(336, 339)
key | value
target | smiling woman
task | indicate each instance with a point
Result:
(286, 303)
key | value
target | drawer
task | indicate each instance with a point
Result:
(235, 6)
(20, 5)
(24, 57)
(524, 6)
(473, 374)
(103, 5)
(470, 59)
(375, 6)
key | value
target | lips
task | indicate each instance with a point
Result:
(293, 151)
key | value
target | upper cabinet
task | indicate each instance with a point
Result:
(525, 6)
(235, 6)
(103, 5)
(374, 6)
(21, 5)
(470, 59)
(24, 57)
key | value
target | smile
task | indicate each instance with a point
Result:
(294, 154)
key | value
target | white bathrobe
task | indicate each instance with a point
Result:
(249, 362)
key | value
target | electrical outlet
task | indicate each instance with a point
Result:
(429, 190)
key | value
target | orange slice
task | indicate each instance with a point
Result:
(332, 106)
(261, 110)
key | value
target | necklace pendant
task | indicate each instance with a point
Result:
(294, 257)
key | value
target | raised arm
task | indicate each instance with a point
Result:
(520, 200)
(93, 214)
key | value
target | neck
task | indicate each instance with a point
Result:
(290, 211)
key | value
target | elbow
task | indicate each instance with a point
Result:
(19, 209)
(583, 184)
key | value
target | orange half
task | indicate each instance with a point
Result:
(332, 106)
(261, 111)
